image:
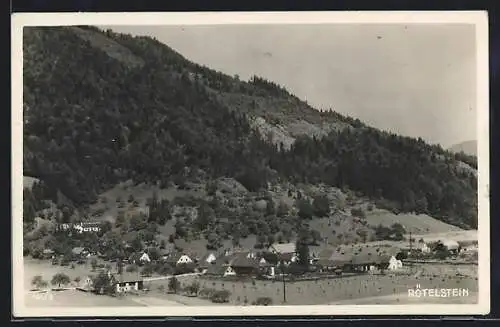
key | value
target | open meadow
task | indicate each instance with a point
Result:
(326, 291)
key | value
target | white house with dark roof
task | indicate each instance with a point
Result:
(144, 258)
(179, 258)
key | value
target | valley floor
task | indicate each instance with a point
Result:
(359, 289)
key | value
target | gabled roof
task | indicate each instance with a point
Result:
(285, 256)
(369, 258)
(283, 247)
(239, 260)
(244, 262)
(335, 259)
(174, 257)
(216, 269)
(450, 244)
(128, 277)
(204, 258)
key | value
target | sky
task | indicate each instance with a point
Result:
(416, 80)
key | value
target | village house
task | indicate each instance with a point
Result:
(451, 245)
(144, 258)
(179, 258)
(281, 248)
(139, 258)
(368, 262)
(468, 246)
(87, 227)
(128, 283)
(206, 261)
(86, 284)
(209, 258)
(392, 263)
(286, 252)
(423, 247)
(219, 270)
(164, 253)
(63, 227)
(237, 264)
(330, 260)
(266, 268)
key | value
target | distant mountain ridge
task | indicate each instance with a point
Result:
(467, 147)
(102, 108)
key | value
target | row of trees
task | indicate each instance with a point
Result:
(58, 279)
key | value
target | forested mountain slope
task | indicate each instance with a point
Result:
(102, 108)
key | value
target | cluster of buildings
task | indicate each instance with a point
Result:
(271, 262)
(80, 227)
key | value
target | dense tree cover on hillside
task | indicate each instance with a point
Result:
(92, 121)
(385, 166)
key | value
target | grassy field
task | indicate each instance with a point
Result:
(74, 298)
(418, 224)
(461, 235)
(338, 289)
(362, 289)
(45, 269)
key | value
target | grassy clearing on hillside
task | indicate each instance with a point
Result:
(412, 222)
(338, 229)
(458, 236)
(107, 208)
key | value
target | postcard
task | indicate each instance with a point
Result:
(250, 164)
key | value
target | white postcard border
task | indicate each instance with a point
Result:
(479, 19)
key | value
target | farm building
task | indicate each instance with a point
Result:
(220, 270)
(86, 284)
(144, 258)
(450, 245)
(370, 262)
(282, 248)
(205, 262)
(208, 258)
(468, 246)
(244, 263)
(87, 227)
(393, 263)
(238, 264)
(130, 285)
(423, 247)
(331, 260)
(178, 259)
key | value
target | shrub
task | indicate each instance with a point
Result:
(193, 288)
(220, 296)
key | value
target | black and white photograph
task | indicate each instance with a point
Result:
(184, 164)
